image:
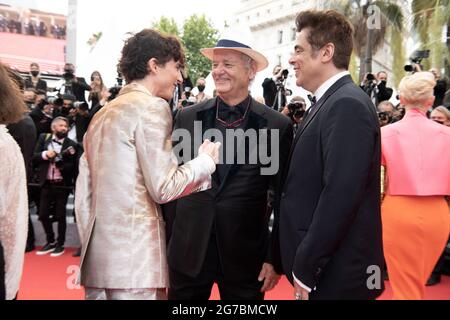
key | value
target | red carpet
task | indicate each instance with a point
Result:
(47, 278)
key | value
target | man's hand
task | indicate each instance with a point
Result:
(300, 293)
(51, 154)
(269, 276)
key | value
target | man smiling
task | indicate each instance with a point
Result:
(222, 235)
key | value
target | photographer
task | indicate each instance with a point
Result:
(273, 87)
(295, 110)
(42, 116)
(97, 88)
(35, 81)
(376, 87)
(56, 157)
(385, 112)
(440, 88)
(74, 85)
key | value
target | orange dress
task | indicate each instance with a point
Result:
(415, 232)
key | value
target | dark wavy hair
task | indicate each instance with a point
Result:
(12, 106)
(142, 47)
(328, 26)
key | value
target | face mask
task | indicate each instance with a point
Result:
(34, 73)
(61, 135)
(201, 88)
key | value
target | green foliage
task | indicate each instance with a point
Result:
(430, 17)
(357, 12)
(197, 33)
(398, 55)
(166, 25)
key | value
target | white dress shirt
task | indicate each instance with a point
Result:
(53, 172)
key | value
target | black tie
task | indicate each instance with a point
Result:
(312, 99)
(230, 114)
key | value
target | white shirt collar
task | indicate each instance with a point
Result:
(328, 84)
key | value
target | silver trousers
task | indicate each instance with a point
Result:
(125, 294)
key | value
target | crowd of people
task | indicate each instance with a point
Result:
(161, 217)
(32, 28)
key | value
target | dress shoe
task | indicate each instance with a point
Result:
(30, 247)
(434, 279)
(77, 253)
(48, 248)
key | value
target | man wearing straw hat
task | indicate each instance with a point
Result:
(222, 235)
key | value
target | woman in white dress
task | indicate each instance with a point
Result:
(13, 190)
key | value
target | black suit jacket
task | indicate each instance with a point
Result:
(330, 222)
(24, 132)
(41, 122)
(70, 166)
(41, 84)
(270, 94)
(79, 87)
(235, 210)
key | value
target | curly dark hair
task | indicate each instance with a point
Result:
(142, 47)
(328, 26)
(12, 106)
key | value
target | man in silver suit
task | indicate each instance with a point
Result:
(128, 169)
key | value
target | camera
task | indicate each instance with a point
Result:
(416, 59)
(370, 77)
(384, 116)
(56, 101)
(59, 159)
(188, 102)
(119, 79)
(81, 105)
(296, 110)
(114, 91)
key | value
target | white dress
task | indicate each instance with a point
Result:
(13, 210)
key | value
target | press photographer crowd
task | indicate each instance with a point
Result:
(72, 136)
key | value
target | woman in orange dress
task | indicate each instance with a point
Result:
(415, 215)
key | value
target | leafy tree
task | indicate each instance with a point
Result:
(166, 25)
(197, 33)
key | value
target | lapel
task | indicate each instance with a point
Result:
(344, 80)
(256, 121)
(65, 144)
(207, 115)
(47, 141)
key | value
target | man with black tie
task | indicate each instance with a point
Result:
(222, 235)
(330, 223)
(56, 156)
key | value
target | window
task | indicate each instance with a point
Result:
(280, 36)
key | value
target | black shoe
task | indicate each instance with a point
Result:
(59, 251)
(77, 253)
(49, 247)
(30, 247)
(433, 280)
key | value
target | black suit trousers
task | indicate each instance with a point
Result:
(59, 194)
(183, 287)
